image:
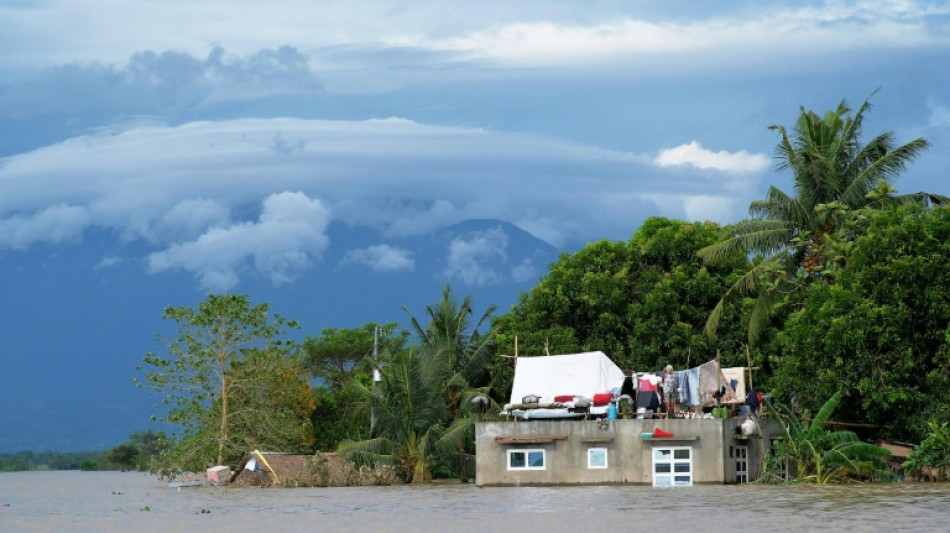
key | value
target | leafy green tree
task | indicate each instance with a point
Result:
(230, 382)
(881, 331)
(17, 462)
(151, 444)
(423, 417)
(834, 175)
(642, 302)
(46, 460)
(336, 418)
(336, 357)
(338, 354)
(125, 456)
(822, 456)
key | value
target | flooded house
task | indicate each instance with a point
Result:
(579, 419)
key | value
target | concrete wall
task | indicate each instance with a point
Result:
(629, 457)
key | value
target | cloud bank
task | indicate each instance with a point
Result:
(186, 190)
(523, 34)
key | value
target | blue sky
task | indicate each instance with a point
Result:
(218, 142)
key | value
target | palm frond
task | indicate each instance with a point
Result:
(887, 166)
(748, 236)
(761, 315)
(924, 198)
(747, 285)
(824, 414)
(778, 205)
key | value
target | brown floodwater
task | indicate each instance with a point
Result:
(135, 502)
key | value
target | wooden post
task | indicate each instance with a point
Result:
(516, 353)
(515, 356)
(718, 380)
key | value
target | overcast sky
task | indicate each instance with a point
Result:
(224, 133)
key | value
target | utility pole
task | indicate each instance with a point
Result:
(377, 376)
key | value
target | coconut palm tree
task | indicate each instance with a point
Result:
(413, 420)
(450, 330)
(795, 235)
(823, 456)
(450, 326)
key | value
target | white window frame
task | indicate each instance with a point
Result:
(668, 479)
(742, 464)
(527, 464)
(590, 464)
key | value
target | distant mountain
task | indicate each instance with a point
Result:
(67, 365)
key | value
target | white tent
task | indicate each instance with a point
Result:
(581, 374)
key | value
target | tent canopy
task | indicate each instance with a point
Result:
(581, 374)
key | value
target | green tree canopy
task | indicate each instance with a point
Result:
(415, 427)
(338, 354)
(230, 382)
(834, 175)
(422, 411)
(450, 328)
(642, 302)
(882, 331)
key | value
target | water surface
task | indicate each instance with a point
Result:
(115, 501)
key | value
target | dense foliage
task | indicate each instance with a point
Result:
(931, 460)
(820, 455)
(421, 411)
(643, 302)
(799, 235)
(231, 384)
(881, 331)
(338, 355)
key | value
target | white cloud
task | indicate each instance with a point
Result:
(749, 35)
(416, 220)
(562, 33)
(524, 271)
(473, 259)
(381, 258)
(288, 236)
(695, 155)
(192, 216)
(108, 262)
(695, 207)
(54, 224)
(177, 185)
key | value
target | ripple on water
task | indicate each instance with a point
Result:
(113, 501)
